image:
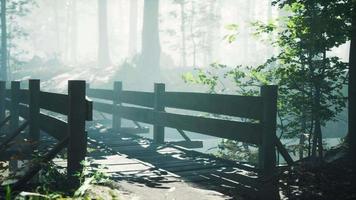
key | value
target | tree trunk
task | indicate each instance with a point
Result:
(192, 35)
(150, 38)
(3, 72)
(103, 50)
(182, 28)
(73, 33)
(133, 28)
(351, 137)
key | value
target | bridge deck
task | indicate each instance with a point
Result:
(139, 161)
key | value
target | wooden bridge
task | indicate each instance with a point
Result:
(249, 119)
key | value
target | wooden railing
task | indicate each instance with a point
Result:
(150, 107)
(28, 104)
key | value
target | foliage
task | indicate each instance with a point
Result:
(310, 79)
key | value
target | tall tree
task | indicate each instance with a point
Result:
(151, 49)
(133, 27)
(352, 88)
(74, 33)
(103, 50)
(3, 71)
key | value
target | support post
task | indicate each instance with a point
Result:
(267, 151)
(2, 100)
(116, 119)
(34, 112)
(77, 146)
(14, 108)
(158, 131)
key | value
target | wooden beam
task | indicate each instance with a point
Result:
(267, 150)
(233, 105)
(11, 136)
(54, 102)
(283, 151)
(100, 93)
(145, 99)
(14, 108)
(34, 112)
(77, 146)
(2, 100)
(116, 119)
(158, 129)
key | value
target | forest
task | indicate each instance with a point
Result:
(177, 99)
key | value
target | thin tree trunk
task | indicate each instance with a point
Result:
(74, 32)
(103, 50)
(182, 28)
(150, 38)
(192, 18)
(4, 59)
(133, 28)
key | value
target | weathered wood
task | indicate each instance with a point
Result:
(145, 99)
(267, 150)
(54, 102)
(144, 115)
(89, 109)
(24, 96)
(38, 165)
(12, 136)
(34, 112)
(14, 109)
(100, 94)
(103, 107)
(158, 129)
(116, 119)
(283, 151)
(233, 105)
(77, 147)
(4, 121)
(241, 131)
(2, 100)
(53, 126)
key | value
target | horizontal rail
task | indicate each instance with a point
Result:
(24, 96)
(54, 102)
(233, 105)
(100, 94)
(242, 131)
(55, 127)
(103, 107)
(137, 98)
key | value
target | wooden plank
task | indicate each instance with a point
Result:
(34, 111)
(12, 136)
(158, 130)
(77, 146)
(137, 98)
(54, 102)
(241, 131)
(283, 151)
(144, 115)
(233, 105)
(24, 96)
(55, 127)
(100, 94)
(103, 107)
(267, 149)
(2, 100)
(116, 119)
(14, 108)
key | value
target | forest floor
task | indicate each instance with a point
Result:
(333, 179)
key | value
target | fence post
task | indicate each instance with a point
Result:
(267, 151)
(158, 106)
(116, 119)
(34, 112)
(2, 100)
(14, 108)
(77, 146)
